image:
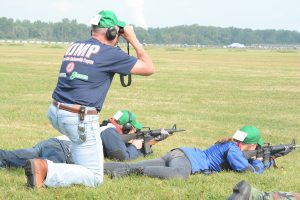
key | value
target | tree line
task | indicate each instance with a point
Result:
(70, 30)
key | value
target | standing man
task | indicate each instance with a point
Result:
(86, 73)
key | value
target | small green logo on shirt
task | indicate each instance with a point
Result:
(78, 76)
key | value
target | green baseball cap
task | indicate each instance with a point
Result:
(107, 19)
(252, 135)
(124, 116)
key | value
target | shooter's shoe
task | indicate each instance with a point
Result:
(241, 191)
(36, 172)
(121, 172)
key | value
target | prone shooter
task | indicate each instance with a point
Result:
(123, 138)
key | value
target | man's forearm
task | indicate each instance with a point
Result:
(143, 57)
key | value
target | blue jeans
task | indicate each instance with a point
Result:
(51, 149)
(87, 155)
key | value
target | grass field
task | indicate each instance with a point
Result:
(208, 92)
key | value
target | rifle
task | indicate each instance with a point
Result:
(266, 152)
(149, 137)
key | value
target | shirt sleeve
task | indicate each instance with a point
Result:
(236, 159)
(238, 162)
(122, 63)
(257, 165)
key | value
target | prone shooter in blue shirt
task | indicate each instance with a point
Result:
(182, 162)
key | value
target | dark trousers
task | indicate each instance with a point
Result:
(174, 164)
(52, 149)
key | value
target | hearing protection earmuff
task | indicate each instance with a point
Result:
(111, 33)
(127, 126)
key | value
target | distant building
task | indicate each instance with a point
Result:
(236, 45)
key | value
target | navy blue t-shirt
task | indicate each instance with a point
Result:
(87, 70)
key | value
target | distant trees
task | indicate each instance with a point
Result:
(69, 30)
(66, 30)
(209, 35)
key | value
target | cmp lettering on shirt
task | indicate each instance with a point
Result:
(81, 52)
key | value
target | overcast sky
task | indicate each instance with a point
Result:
(254, 14)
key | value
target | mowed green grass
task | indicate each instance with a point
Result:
(209, 92)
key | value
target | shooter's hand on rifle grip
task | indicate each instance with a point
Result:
(138, 143)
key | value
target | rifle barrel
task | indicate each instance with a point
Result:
(147, 133)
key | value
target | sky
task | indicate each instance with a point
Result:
(254, 14)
